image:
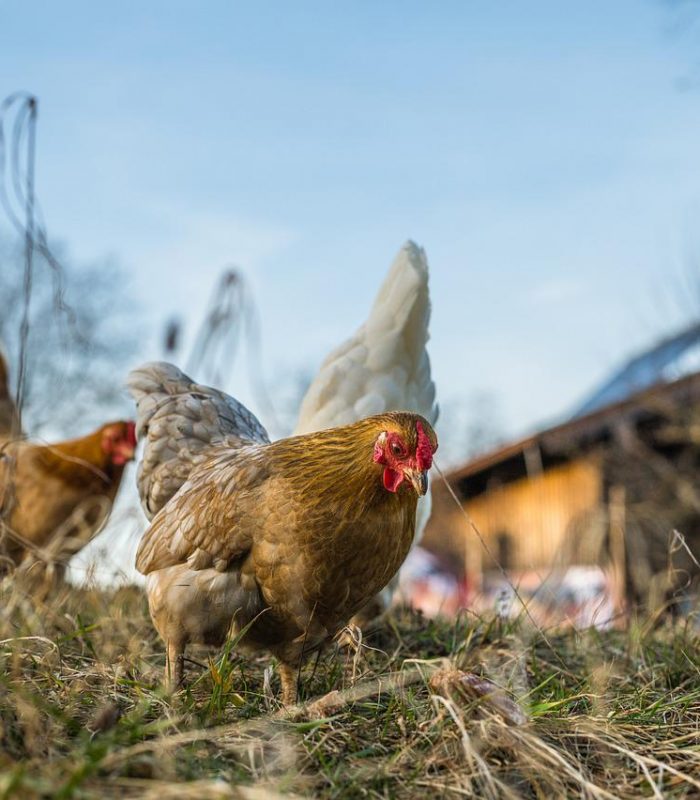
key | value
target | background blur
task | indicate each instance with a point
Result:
(545, 155)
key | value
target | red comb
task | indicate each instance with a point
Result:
(131, 433)
(424, 449)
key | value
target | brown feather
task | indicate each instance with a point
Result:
(63, 490)
(301, 532)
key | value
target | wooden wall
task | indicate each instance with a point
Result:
(525, 520)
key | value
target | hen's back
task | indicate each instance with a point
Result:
(180, 421)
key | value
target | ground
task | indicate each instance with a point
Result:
(568, 714)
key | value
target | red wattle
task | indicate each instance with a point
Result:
(392, 479)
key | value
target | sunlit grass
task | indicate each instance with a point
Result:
(82, 714)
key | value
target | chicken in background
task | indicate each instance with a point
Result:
(383, 367)
(54, 498)
(280, 543)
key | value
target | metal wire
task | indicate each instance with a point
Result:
(502, 570)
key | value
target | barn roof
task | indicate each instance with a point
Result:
(560, 442)
(669, 371)
(669, 360)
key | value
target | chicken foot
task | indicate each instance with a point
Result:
(288, 678)
(174, 672)
(174, 665)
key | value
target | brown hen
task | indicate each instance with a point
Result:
(282, 541)
(55, 497)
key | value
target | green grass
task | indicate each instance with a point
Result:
(82, 715)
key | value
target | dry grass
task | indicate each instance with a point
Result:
(614, 714)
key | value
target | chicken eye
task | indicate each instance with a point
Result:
(396, 449)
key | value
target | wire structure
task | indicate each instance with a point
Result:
(18, 200)
(231, 319)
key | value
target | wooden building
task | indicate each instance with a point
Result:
(607, 487)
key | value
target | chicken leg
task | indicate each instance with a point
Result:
(288, 678)
(174, 665)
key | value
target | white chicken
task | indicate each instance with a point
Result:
(383, 367)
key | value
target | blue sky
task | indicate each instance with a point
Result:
(546, 155)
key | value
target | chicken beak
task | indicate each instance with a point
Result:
(124, 454)
(419, 479)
